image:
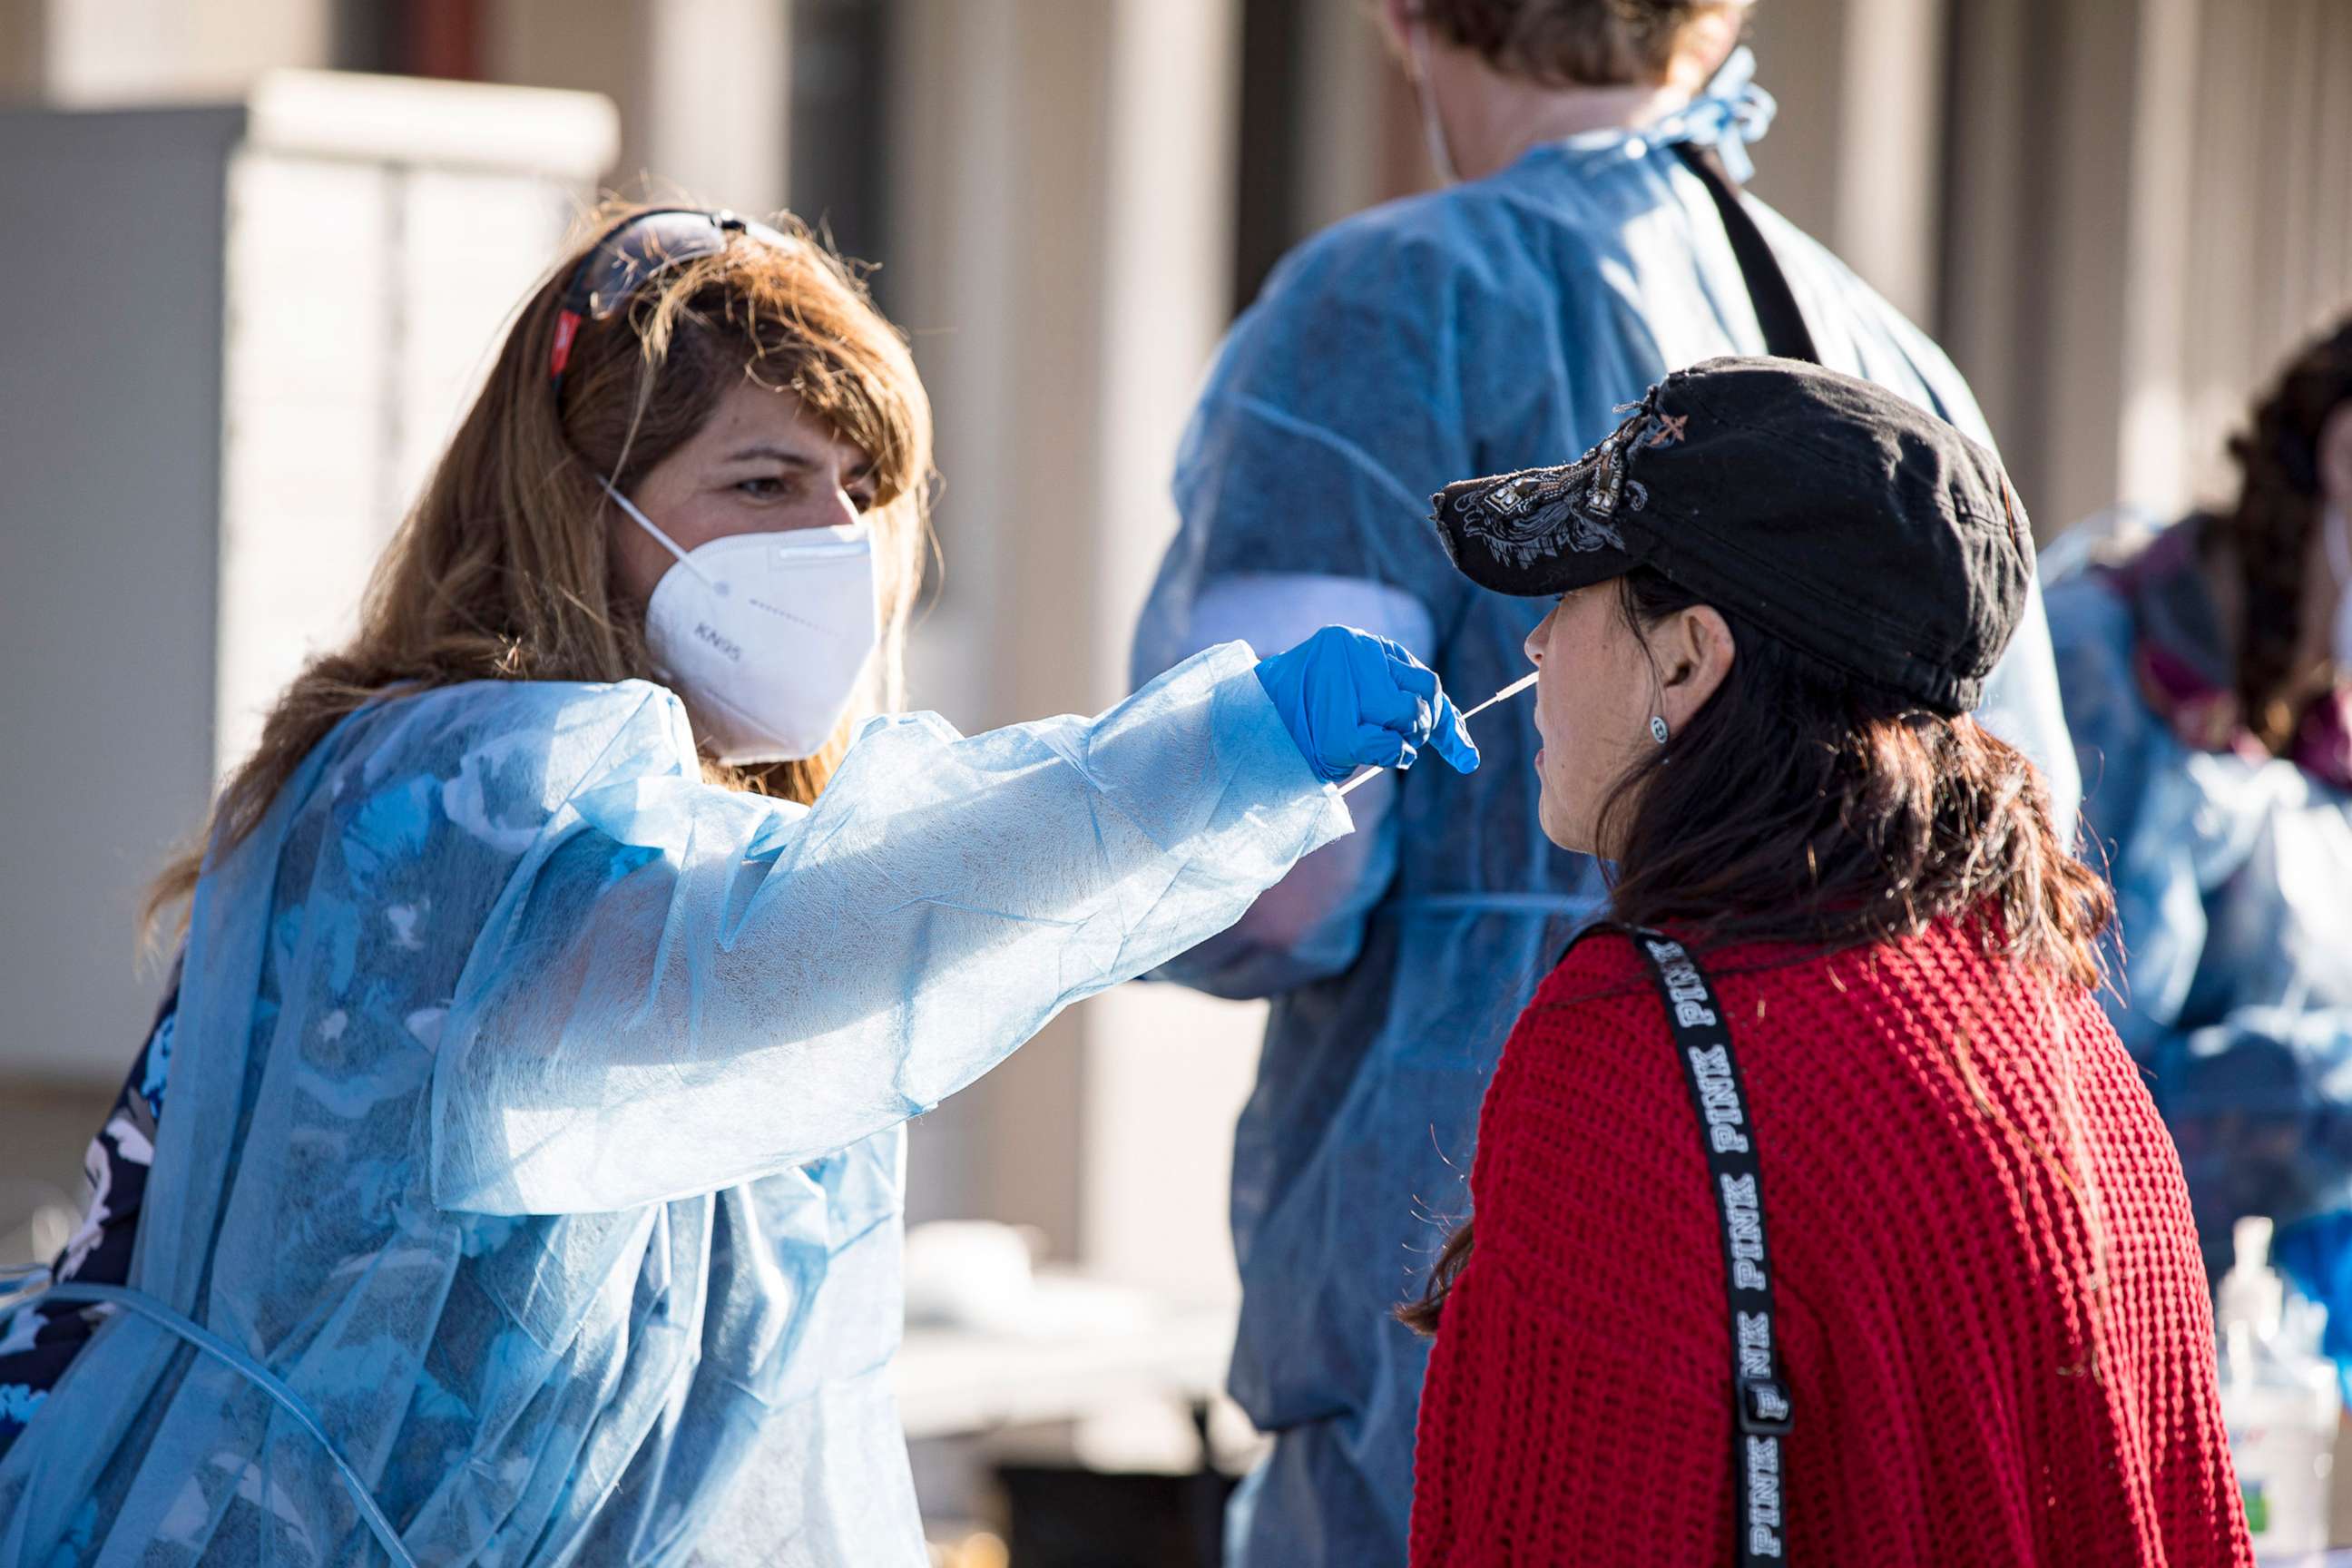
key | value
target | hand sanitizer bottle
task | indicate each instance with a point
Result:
(2279, 1400)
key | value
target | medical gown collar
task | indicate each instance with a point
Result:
(1730, 116)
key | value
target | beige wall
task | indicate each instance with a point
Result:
(1165, 1071)
(2151, 204)
(44, 1129)
(23, 31)
(2263, 242)
(1855, 152)
(998, 277)
(703, 86)
(136, 51)
(1062, 210)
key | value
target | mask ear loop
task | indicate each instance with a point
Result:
(663, 540)
(1424, 93)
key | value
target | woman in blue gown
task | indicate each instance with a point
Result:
(513, 1175)
(2207, 673)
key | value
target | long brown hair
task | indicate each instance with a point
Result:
(2269, 530)
(1802, 807)
(501, 572)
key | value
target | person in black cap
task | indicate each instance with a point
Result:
(1821, 1216)
(1599, 239)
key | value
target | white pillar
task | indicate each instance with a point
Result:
(1889, 180)
(962, 277)
(704, 86)
(1166, 210)
(2077, 211)
(1166, 1071)
(718, 100)
(1063, 207)
(2153, 461)
(1856, 156)
(1346, 101)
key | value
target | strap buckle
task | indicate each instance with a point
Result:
(1764, 1407)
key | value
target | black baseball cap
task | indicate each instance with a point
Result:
(1826, 510)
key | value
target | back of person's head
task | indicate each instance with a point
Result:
(502, 570)
(1805, 583)
(1798, 807)
(1577, 42)
(2282, 461)
(1802, 805)
(1811, 579)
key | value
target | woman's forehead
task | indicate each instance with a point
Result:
(750, 413)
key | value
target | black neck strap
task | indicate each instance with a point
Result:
(1761, 1413)
(1785, 332)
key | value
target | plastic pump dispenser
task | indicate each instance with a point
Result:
(2280, 1399)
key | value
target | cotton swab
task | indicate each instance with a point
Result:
(1513, 689)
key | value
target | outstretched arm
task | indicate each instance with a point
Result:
(683, 987)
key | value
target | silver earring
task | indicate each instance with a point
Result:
(1658, 731)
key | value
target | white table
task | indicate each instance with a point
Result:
(1064, 1365)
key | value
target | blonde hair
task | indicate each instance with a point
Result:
(502, 570)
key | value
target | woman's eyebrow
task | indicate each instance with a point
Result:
(784, 454)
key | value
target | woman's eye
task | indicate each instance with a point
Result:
(861, 501)
(763, 489)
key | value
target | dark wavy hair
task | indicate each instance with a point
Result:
(1572, 43)
(1800, 806)
(2269, 530)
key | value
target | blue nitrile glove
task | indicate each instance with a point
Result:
(1354, 701)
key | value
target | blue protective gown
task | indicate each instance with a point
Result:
(1492, 326)
(536, 1111)
(2233, 901)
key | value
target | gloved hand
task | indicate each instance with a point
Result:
(1354, 701)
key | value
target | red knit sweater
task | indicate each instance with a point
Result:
(1982, 1373)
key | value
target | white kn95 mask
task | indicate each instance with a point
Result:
(766, 635)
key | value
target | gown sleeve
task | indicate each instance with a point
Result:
(1301, 493)
(683, 988)
(1311, 923)
(1288, 468)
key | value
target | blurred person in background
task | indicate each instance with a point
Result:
(2207, 667)
(1835, 1070)
(513, 1172)
(1594, 242)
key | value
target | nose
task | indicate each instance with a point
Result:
(1533, 646)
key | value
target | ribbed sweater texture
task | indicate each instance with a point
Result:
(1991, 1313)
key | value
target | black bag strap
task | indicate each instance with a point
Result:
(1785, 332)
(1761, 1413)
